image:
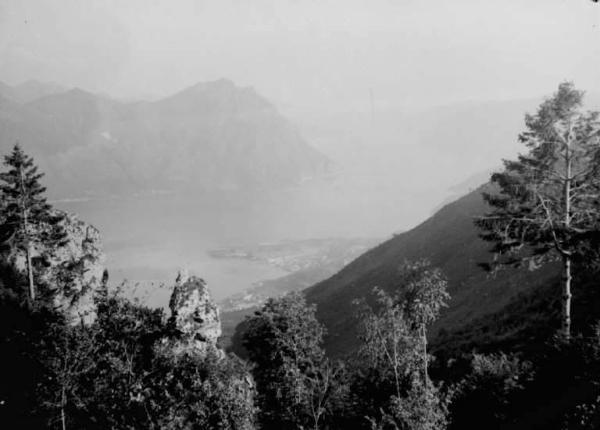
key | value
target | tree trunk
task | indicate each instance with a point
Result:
(63, 401)
(26, 233)
(425, 360)
(25, 227)
(566, 323)
(30, 273)
(566, 298)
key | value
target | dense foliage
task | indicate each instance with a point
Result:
(117, 373)
(392, 363)
(123, 371)
(24, 210)
(298, 387)
(547, 204)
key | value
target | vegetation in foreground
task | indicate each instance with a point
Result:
(119, 371)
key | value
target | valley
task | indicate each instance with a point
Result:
(293, 215)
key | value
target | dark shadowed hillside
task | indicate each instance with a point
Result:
(450, 241)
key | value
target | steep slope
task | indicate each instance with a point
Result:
(230, 137)
(211, 136)
(450, 241)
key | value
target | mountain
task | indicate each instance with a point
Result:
(29, 90)
(212, 136)
(450, 241)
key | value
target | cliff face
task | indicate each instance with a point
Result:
(194, 315)
(81, 264)
(73, 272)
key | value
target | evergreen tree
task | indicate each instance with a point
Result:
(27, 218)
(547, 204)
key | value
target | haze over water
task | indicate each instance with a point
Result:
(360, 80)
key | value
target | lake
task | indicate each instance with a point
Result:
(148, 239)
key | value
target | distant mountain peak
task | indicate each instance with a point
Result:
(219, 85)
(222, 83)
(30, 90)
(44, 86)
(219, 93)
(210, 136)
(72, 102)
(78, 92)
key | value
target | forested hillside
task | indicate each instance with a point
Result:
(450, 240)
(484, 316)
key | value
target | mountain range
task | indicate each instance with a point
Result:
(217, 136)
(29, 90)
(212, 136)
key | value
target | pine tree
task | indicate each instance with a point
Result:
(547, 204)
(25, 213)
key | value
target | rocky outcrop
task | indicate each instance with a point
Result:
(77, 269)
(194, 315)
(72, 272)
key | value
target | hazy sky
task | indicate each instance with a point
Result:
(322, 54)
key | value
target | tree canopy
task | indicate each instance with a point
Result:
(547, 201)
(26, 216)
